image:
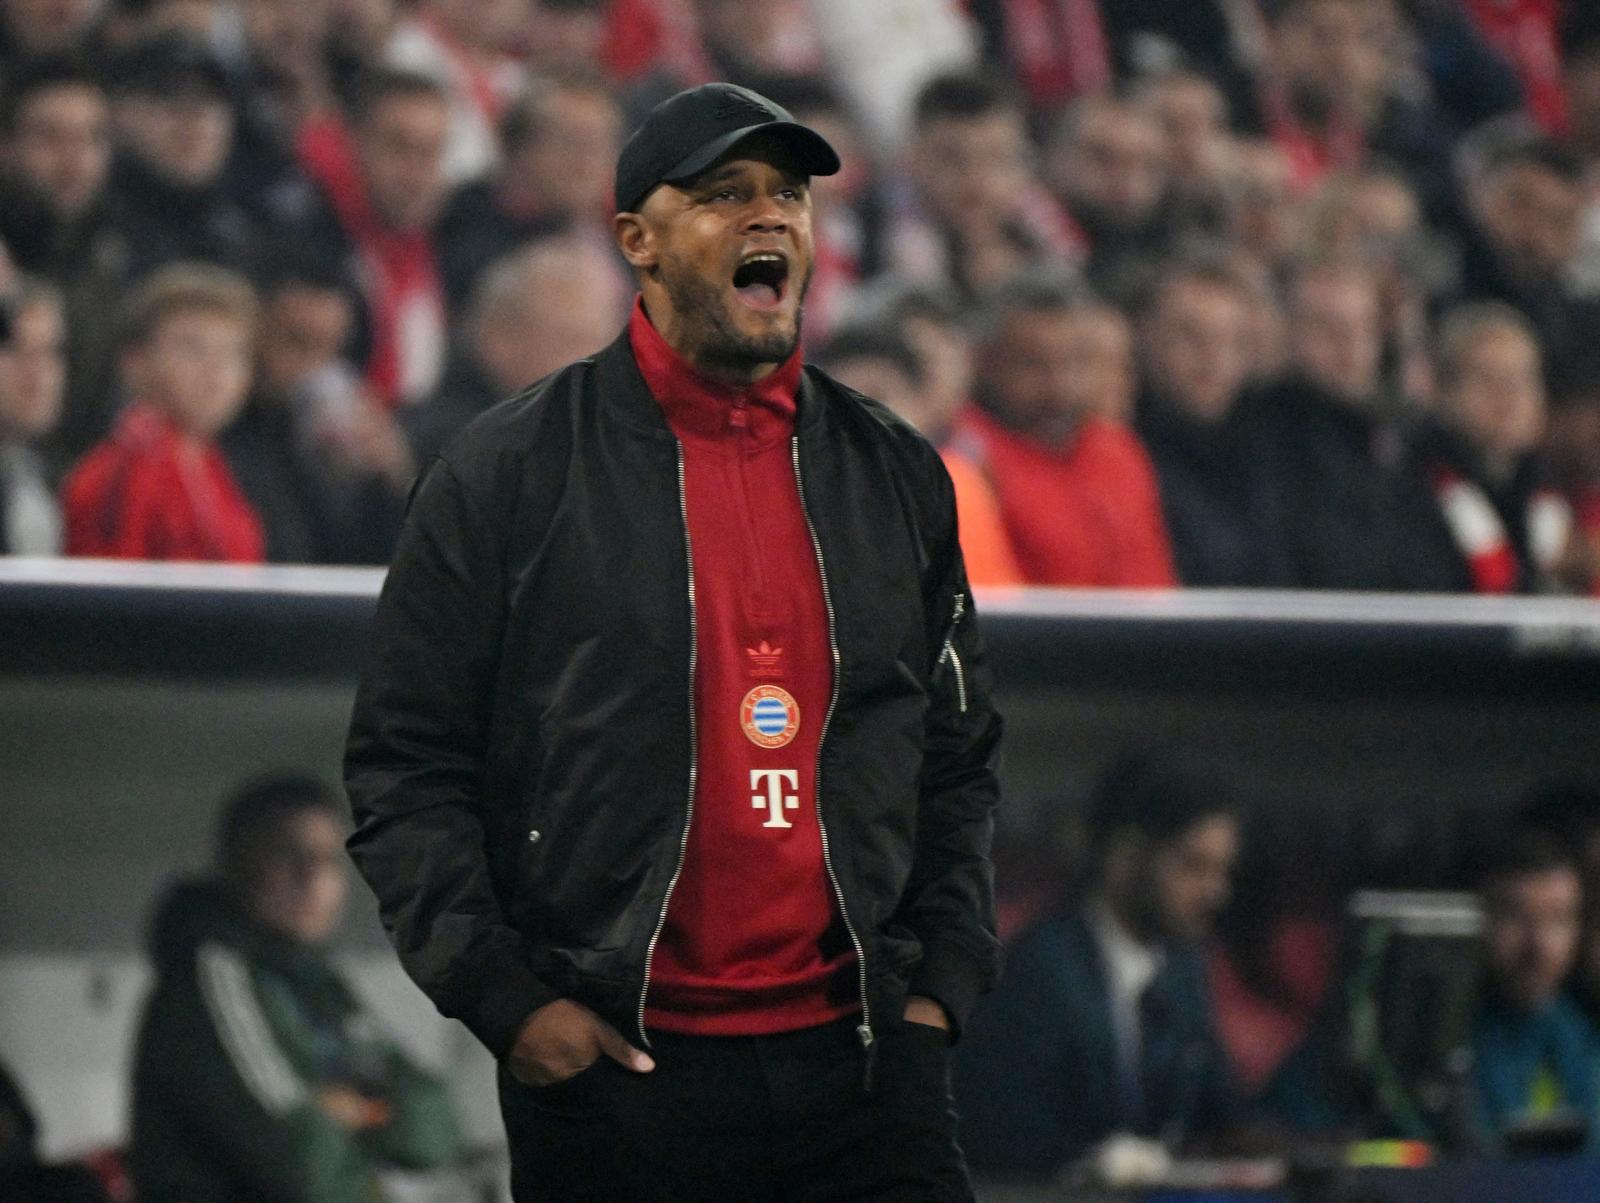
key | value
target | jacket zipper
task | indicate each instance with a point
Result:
(949, 653)
(864, 1028)
(694, 753)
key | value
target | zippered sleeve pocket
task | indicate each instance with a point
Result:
(948, 655)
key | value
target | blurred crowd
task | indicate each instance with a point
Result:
(1292, 293)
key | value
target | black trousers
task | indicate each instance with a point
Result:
(759, 1119)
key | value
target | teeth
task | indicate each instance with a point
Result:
(763, 257)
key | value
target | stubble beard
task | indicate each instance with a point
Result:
(704, 309)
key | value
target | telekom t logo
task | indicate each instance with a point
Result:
(774, 799)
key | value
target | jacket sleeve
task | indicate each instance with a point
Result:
(210, 1051)
(949, 898)
(415, 762)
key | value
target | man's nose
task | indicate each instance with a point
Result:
(766, 217)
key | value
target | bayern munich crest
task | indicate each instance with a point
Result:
(770, 716)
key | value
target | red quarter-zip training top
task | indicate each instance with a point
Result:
(753, 941)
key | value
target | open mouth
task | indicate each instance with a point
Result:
(761, 279)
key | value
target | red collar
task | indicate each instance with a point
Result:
(699, 408)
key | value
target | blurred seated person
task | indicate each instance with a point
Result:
(978, 213)
(1353, 516)
(538, 309)
(559, 143)
(382, 189)
(169, 188)
(1534, 1049)
(257, 1072)
(1524, 236)
(32, 378)
(878, 363)
(325, 466)
(1499, 526)
(159, 487)
(1220, 501)
(57, 221)
(1107, 162)
(1102, 1021)
(1076, 490)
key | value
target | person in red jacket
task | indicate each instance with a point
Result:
(158, 488)
(1076, 490)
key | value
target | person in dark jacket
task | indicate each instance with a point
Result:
(1102, 1024)
(258, 1075)
(1221, 504)
(170, 187)
(675, 733)
(1333, 440)
(1499, 526)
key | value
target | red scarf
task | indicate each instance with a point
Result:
(1481, 537)
(1526, 33)
(399, 275)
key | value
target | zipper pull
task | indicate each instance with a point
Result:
(871, 1051)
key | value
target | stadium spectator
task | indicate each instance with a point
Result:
(563, 35)
(1532, 1045)
(1192, 114)
(324, 465)
(1076, 490)
(1102, 1021)
(1331, 94)
(881, 364)
(1524, 237)
(39, 29)
(931, 323)
(158, 488)
(1502, 528)
(1353, 516)
(284, 79)
(32, 376)
(463, 45)
(55, 218)
(174, 118)
(257, 1073)
(1218, 496)
(1107, 161)
(559, 143)
(978, 215)
(1265, 208)
(384, 189)
(538, 309)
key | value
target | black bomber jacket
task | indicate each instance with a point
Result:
(522, 755)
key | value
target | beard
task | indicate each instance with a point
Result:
(707, 313)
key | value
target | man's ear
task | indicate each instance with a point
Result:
(635, 241)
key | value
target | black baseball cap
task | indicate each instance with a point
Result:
(686, 133)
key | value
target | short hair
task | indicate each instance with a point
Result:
(1464, 328)
(33, 79)
(524, 119)
(188, 288)
(256, 813)
(286, 266)
(1037, 290)
(1547, 154)
(1202, 268)
(1159, 793)
(964, 96)
(382, 84)
(1524, 852)
(871, 341)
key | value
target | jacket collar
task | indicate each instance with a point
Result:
(626, 398)
(699, 408)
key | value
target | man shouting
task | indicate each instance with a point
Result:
(672, 766)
